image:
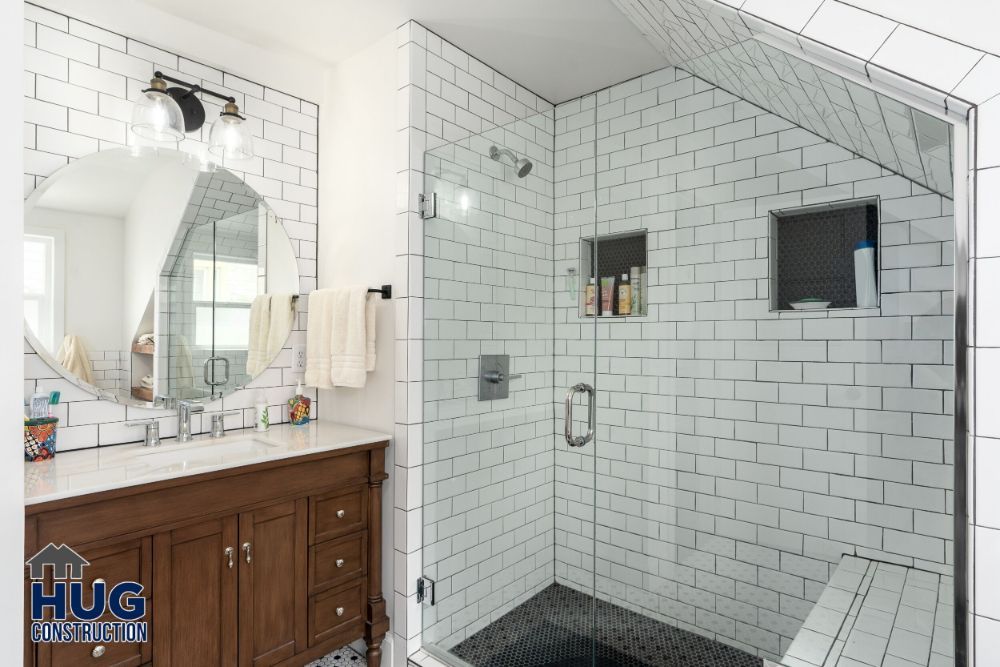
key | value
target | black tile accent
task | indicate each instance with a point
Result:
(815, 253)
(553, 629)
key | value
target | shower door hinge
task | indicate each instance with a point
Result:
(425, 590)
(427, 205)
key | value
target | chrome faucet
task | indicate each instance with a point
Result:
(184, 411)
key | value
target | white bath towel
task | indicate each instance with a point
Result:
(340, 337)
(318, 344)
(73, 356)
(369, 331)
(349, 337)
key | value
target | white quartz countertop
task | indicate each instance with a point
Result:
(77, 473)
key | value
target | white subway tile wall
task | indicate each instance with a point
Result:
(445, 96)
(741, 452)
(79, 84)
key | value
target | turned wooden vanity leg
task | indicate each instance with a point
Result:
(376, 621)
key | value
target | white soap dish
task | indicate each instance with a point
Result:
(810, 304)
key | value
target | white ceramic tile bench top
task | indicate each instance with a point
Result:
(874, 614)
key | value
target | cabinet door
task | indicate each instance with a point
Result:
(194, 610)
(273, 583)
(126, 561)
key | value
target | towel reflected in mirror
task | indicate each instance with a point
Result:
(73, 356)
(271, 318)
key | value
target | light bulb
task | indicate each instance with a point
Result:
(156, 115)
(230, 137)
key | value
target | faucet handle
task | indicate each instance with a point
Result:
(152, 438)
(219, 422)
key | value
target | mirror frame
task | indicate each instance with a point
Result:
(49, 359)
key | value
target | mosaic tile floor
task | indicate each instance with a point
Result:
(553, 629)
(341, 658)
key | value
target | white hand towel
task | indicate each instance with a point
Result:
(349, 337)
(318, 344)
(260, 319)
(73, 356)
(369, 332)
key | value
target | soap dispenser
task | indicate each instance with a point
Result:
(261, 418)
(298, 407)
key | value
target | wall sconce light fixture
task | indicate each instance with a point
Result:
(165, 113)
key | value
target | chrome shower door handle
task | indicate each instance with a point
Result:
(580, 440)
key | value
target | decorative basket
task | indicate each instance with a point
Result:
(40, 438)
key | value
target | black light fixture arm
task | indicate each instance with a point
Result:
(194, 87)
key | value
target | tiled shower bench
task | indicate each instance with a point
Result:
(875, 614)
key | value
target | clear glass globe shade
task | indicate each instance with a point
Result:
(156, 116)
(230, 139)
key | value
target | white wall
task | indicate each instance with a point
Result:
(93, 250)
(357, 212)
(150, 226)
(357, 165)
(11, 345)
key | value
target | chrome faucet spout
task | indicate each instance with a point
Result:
(184, 411)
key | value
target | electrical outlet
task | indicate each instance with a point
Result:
(299, 358)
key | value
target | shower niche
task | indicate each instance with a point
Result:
(617, 255)
(813, 259)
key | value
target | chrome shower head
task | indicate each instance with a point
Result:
(521, 165)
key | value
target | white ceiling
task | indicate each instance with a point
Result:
(559, 49)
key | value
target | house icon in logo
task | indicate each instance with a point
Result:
(66, 563)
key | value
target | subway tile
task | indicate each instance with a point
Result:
(927, 58)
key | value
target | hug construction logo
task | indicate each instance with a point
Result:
(69, 619)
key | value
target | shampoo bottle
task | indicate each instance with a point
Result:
(633, 279)
(261, 418)
(625, 296)
(590, 299)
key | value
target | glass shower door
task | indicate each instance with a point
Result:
(507, 541)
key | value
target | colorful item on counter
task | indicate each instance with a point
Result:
(40, 438)
(298, 408)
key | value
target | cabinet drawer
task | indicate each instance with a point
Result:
(335, 562)
(96, 655)
(337, 610)
(337, 513)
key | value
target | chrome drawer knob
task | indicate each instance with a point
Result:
(340, 562)
(340, 514)
(340, 611)
(98, 651)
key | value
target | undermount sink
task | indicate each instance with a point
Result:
(199, 453)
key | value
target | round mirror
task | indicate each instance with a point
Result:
(148, 279)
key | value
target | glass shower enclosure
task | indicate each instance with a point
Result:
(638, 449)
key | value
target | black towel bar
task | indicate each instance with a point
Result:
(386, 291)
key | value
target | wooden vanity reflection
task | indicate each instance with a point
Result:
(271, 564)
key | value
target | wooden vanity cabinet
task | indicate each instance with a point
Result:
(271, 565)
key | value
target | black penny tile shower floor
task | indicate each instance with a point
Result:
(553, 629)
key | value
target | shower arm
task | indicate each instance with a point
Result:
(495, 153)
